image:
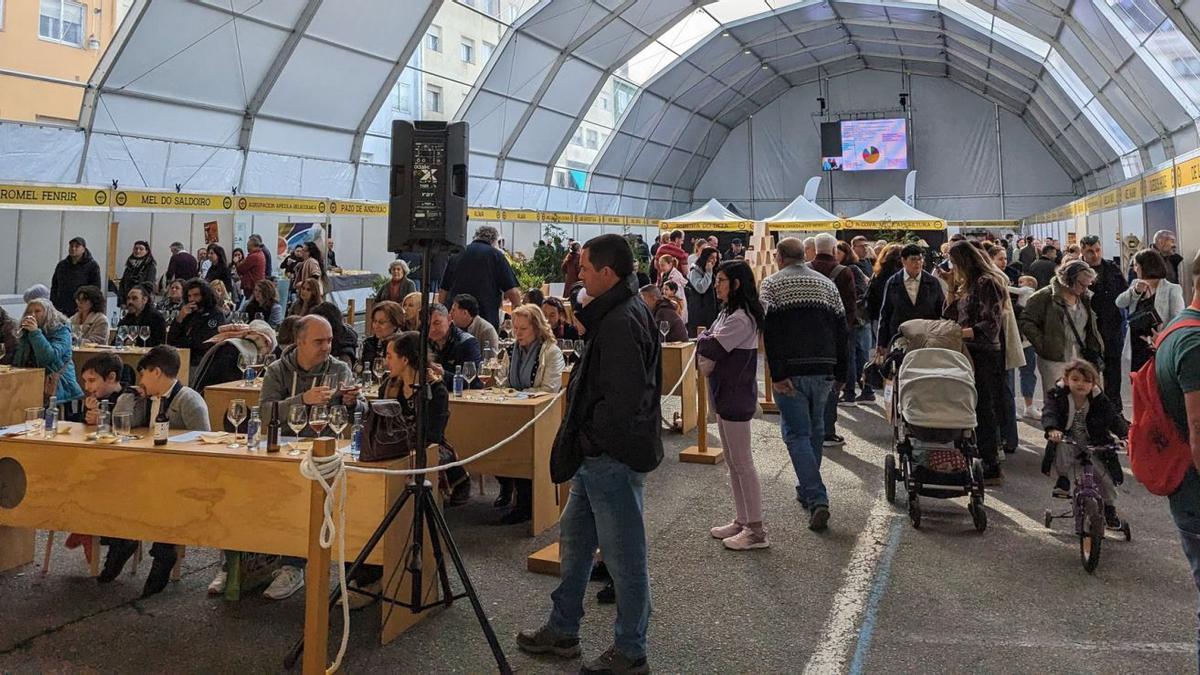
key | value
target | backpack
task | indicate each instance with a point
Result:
(1159, 455)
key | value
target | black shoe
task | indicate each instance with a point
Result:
(867, 396)
(833, 440)
(992, 475)
(1010, 449)
(119, 553)
(516, 516)
(847, 399)
(159, 577)
(818, 520)
(461, 494)
(1062, 488)
(1111, 521)
(600, 572)
(607, 595)
(505, 498)
(800, 497)
(546, 640)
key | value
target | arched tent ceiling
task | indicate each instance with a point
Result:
(1093, 79)
(298, 77)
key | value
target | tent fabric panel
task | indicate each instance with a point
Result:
(118, 115)
(281, 137)
(492, 118)
(325, 85)
(40, 153)
(567, 20)
(542, 135)
(132, 162)
(573, 77)
(379, 27)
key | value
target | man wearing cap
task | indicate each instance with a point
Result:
(735, 252)
(183, 265)
(75, 270)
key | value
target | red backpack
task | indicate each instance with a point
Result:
(1159, 455)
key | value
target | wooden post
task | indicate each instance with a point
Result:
(767, 402)
(701, 453)
(350, 311)
(370, 308)
(316, 573)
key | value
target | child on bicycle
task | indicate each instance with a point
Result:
(1077, 411)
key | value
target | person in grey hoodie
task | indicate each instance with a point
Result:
(296, 379)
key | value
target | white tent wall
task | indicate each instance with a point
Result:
(1109, 233)
(8, 254)
(41, 238)
(956, 154)
(1187, 232)
(36, 153)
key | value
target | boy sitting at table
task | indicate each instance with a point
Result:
(186, 411)
(101, 377)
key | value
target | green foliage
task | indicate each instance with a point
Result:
(546, 264)
(380, 281)
(527, 276)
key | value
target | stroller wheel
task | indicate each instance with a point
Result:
(1047, 518)
(977, 479)
(978, 516)
(914, 511)
(889, 478)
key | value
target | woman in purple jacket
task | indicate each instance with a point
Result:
(727, 353)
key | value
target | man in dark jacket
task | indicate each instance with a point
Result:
(183, 265)
(197, 321)
(807, 345)
(1110, 319)
(664, 310)
(607, 443)
(481, 271)
(843, 279)
(911, 293)
(75, 270)
(1043, 268)
(451, 346)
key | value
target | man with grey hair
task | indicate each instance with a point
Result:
(481, 271)
(810, 249)
(843, 278)
(1164, 243)
(183, 265)
(1059, 322)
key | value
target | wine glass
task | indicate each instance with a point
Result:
(236, 415)
(319, 418)
(246, 364)
(332, 380)
(379, 368)
(338, 419)
(507, 327)
(664, 328)
(297, 420)
(469, 373)
(579, 344)
(144, 335)
(122, 333)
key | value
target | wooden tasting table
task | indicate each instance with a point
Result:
(477, 421)
(20, 388)
(188, 493)
(129, 356)
(675, 357)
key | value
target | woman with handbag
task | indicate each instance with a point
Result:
(44, 341)
(1152, 302)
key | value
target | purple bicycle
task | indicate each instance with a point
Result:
(1087, 506)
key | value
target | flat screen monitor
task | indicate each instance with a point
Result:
(867, 145)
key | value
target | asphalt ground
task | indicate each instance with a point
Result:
(872, 594)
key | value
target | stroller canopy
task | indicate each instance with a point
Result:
(936, 389)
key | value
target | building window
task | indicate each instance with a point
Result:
(593, 139)
(466, 51)
(492, 8)
(61, 21)
(433, 98)
(468, 3)
(488, 48)
(403, 97)
(605, 103)
(433, 39)
(577, 139)
(513, 13)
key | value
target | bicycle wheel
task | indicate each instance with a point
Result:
(1093, 535)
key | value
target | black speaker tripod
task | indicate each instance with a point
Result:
(426, 515)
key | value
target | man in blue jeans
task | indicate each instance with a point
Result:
(607, 443)
(806, 339)
(1177, 369)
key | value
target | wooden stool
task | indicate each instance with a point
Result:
(92, 552)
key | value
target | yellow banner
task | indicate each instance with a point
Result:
(520, 215)
(1092, 204)
(1158, 183)
(1110, 198)
(174, 201)
(281, 205)
(53, 196)
(556, 216)
(892, 225)
(1131, 193)
(1187, 172)
(636, 221)
(587, 219)
(484, 214)
(343, 207)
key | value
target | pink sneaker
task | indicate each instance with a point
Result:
(746, 540)
(726, 531)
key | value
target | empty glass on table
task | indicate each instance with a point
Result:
(236, 414)
(338, 419)
(123, 426)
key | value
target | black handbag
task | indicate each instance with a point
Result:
(1144, 321)
(387, 432)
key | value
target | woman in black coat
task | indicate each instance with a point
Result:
(140, 268)
(220, 271)
(701, 291)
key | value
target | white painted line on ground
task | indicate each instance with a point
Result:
(993, 641)
(840, 633)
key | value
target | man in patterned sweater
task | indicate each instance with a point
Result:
(806, 337)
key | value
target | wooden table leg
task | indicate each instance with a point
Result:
(316, 573)
(548, 560)
(16, 548)
(687, 399)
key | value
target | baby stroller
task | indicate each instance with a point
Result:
(933, 432)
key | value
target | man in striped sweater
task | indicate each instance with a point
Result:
(806, 342)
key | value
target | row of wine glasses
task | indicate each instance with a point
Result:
(335, 417)
(253, 367)
(127, 336)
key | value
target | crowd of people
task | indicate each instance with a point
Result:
(1023, 311)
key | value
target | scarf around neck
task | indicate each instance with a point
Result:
(523, 368)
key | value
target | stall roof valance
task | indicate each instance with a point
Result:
(802, 214)
(896, 214)
(711, 216)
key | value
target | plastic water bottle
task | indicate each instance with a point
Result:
(250, 376)
(252, 428)
(459, 381)
(356, 436)
(51, 418)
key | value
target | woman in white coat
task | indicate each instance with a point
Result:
(536, 365)
(1152, 302)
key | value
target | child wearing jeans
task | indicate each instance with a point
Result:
(1026, 286)
(1077, 411)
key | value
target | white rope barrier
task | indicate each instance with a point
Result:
(330, 473)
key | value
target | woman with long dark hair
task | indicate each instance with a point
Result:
(701, 290)
(727, 353)
(140, 268)
(976, 301)
(219, 271)
(197, 321)
(313, 264)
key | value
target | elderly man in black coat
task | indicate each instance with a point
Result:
(911, 293)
